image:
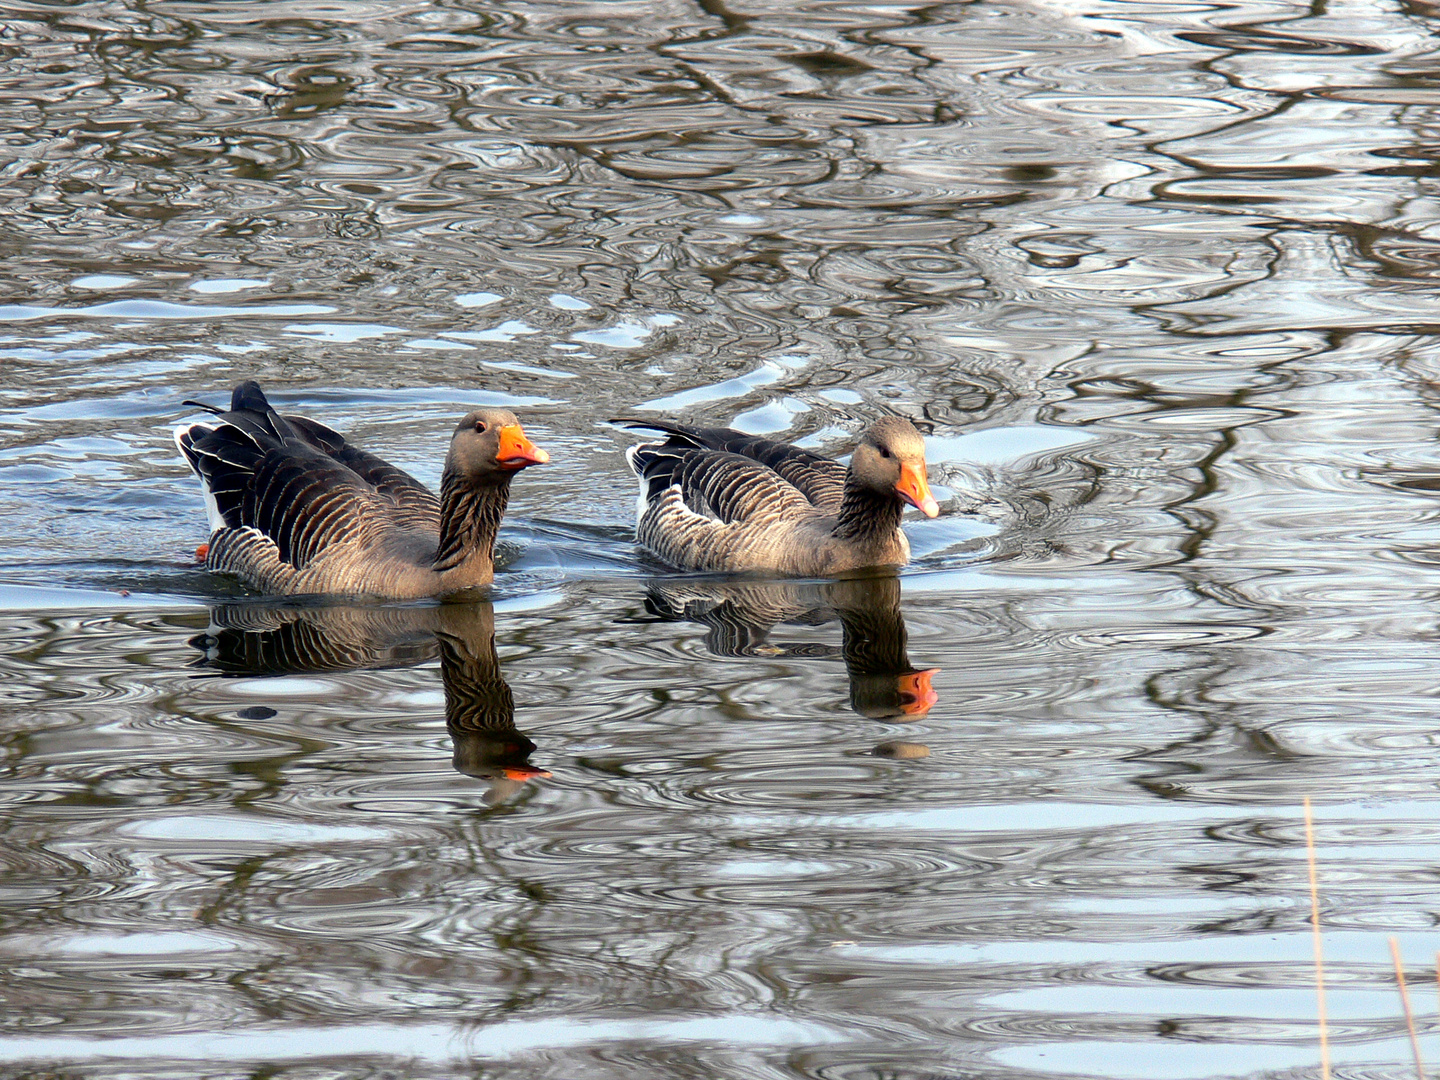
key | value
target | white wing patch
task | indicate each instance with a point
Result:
(212, 508)
(642, 503)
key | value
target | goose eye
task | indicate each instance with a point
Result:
(884, 452)
(480, 427)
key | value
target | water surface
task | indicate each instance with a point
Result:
(1159, 280)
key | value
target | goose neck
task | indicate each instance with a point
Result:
(866, 515)
(470, 515)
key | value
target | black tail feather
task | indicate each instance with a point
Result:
(766, 451)
(251, 413)
(683, 434)
(227, 456)
(249, 397)
(656, 464)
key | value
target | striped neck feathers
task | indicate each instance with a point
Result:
(477, 697)
(866, 516)
(470, 514)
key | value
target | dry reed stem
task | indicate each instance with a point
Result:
(1405, 1001)
(1319, 947)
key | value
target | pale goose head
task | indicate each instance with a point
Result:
(890, 460)
(489, 447)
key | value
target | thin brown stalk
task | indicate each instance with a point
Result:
(1405, 1001)
(1319, 947)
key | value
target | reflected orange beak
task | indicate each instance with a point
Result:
(525, 772)
(916, 695)
(913, 489)
(516, 451)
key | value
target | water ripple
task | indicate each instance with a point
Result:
(1155, 281)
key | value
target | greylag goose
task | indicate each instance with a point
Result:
(294, 509)
(718, 499)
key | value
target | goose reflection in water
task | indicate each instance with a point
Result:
(255, 639)
(741, 615)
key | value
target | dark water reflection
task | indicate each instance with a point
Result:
(740, 616)
(1159, 281)
(479, 707)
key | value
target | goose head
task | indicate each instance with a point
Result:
(890, 460)
(489, 445)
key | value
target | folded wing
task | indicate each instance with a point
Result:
(296, 482)
(820, 480)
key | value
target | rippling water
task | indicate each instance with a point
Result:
(1159, 279)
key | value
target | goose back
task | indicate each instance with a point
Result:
(819, 479)
(413, 503)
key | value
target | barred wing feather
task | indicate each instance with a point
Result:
(415, 505)
(305, 500)
(296, 483)
(725, 487)
(819, 479)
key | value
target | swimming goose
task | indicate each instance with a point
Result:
(718, 499)
(294, 509)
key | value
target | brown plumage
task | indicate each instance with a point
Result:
(294, 509)
(720, 500)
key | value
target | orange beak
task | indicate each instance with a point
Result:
(913, 489)
(916, 695)
(524, 772)
(516, 451)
